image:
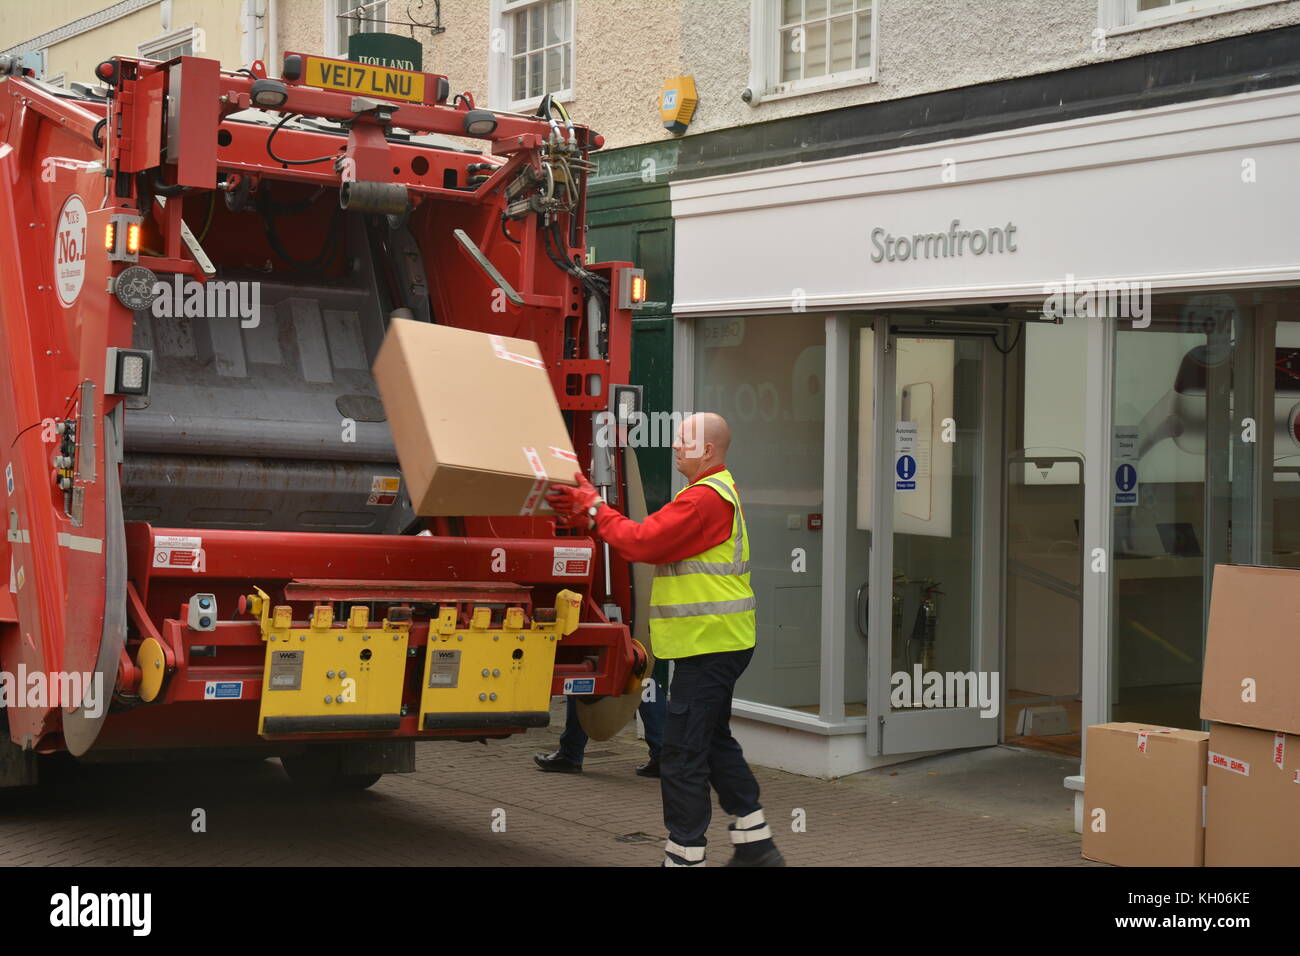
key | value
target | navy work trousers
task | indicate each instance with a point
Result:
(699, 750)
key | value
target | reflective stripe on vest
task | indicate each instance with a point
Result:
(704, 604)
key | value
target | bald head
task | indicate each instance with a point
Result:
(702, 443)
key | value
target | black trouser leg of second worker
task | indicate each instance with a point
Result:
(699, 750)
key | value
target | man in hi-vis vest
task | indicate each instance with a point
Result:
(702, 619)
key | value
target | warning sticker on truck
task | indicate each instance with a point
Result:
(383, 490)
(223, 690)
(571, 562)
(178, 551)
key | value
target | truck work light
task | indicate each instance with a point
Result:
(127, 372)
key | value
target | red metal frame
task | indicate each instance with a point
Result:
(49, 348)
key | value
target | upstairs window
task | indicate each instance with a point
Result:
(800, 46)
(1127, 15)
(347, 17)
(539, 50)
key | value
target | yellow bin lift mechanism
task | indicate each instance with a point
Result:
(321, 677)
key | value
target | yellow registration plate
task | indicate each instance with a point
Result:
(363, 79)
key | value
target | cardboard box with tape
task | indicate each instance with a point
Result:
(1144, 795)
(475, 421)
(1253, 806)
(1252, 649)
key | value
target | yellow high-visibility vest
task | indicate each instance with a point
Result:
(704, 604)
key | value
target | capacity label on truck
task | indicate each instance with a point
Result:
(70, 250)
(571, 562)
(177, 551)
(580, 685)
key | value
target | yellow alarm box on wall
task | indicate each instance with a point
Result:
(677, 103)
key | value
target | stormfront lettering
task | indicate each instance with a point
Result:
(957, 241)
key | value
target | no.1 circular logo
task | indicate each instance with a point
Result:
(1126, 477)
(906, 467)
(70, 250)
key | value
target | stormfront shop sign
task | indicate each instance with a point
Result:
(994, 240)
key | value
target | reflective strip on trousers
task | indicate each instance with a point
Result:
(751, 836)
(691, 854)
(751, 820)
(704, 607)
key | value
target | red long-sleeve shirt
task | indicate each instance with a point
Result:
(696, 520)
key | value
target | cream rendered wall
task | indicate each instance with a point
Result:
(928, 45)
(624, 50)
(301, 27)
(77, 56)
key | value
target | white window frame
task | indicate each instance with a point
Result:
(149, 49)
(765, 58)
(501, 46)
(1123, 16)
(334, 9)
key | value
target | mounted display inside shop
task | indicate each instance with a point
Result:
(942, 245)
(922, 466)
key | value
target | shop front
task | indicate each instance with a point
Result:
(999, 405)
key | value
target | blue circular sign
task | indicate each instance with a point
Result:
(1126, 477)
(906, 466)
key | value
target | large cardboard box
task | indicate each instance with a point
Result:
(1253, 804)
(1144, 795)
(1252, 651)
(474, 418)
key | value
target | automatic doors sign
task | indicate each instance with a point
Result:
(223, 690)
(580, 685)
(905, 456)
(1124, 456)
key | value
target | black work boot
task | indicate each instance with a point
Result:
(649, 769)
(556, 763)
(752, 840)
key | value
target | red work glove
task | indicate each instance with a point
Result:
(575, 522)
(574, 501)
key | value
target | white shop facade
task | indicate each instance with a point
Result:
(987, 399)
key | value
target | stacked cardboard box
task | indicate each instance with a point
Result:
(1143, 800)
(1251, 690)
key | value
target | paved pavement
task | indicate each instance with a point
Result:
(486, 805)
